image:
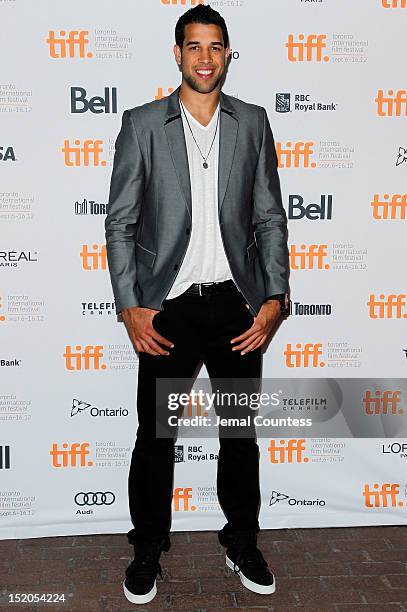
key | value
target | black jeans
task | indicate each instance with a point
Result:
(201, 328)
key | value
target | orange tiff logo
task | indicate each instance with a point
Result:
(394, 3)
(287, 451)
(391, 306)
(84, 358)
(183, 2)
(94, 258)
(304, 356)
(311, 257)
(86, 155)
(73, 456)
(393, 104)
(295, 155)
(182, 494)
(306, 49)
(390, 207)
(68, 44)
(382, 402)
(382, 496)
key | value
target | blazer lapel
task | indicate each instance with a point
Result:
(177, 145)
(228, 128)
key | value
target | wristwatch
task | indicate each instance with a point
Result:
(284, 302)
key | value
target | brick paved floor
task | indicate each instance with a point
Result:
(317, 570)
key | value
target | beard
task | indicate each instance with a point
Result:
(194, 83)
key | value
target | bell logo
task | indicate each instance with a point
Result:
(95, 259)
(88, 358)
(304, 356)
(75, 456)
(385, 402)
(382, 496)
(287, 451)
(390, 207)
(391, 306)
(295, 155)
(87, 155)
(312, 257)
(97, 104)
(306, 49)
(68, 44)
(184, 494)
(394, 3)
(183, 2)
(392, 104)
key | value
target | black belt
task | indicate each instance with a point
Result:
(210, 288)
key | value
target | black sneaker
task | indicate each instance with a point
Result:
(140, 585)
(246, 560)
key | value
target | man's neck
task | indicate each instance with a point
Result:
(201, 106)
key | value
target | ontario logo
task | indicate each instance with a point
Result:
(277, 497)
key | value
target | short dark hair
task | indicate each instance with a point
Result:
(202, 13)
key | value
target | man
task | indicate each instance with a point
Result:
(198, 258)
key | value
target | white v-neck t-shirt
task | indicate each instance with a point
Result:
(205, 260)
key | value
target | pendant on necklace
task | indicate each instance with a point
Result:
(205, 165)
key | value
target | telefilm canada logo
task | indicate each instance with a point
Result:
(287, 102)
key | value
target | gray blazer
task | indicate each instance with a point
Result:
(149, 213)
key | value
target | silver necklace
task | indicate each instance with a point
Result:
(205, 163)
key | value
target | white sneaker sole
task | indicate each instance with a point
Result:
(140, 599)
(252, 586)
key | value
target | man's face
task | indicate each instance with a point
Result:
(203, 57)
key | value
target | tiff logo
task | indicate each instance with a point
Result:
(304, 356)
(4, 457)
(183, 2)
(295, 155)
(393, 209)
(87, 155)
(392, 104)
(387, 307)
(183, 494)
(88, 358)
(68, 44)
(290, 451)
(394, 3)
(386, 402)
(69, 458)
(306, 49)
(312, 257)
(95, 259)
(382, 496)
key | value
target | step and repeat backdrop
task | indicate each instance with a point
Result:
(331, 75)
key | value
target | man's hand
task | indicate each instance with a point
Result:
(256, 335)
(138, 322)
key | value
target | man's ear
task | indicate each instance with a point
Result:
(177, 54)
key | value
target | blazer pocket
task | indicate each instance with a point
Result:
(144, 255)
(252, 251)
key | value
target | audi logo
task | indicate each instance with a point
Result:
(95, 499)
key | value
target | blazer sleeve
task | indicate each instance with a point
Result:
(269, 217)
(123, 214)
